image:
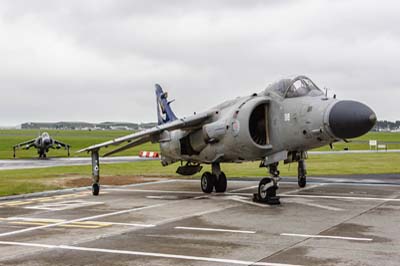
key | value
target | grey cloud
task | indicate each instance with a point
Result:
(103, 57)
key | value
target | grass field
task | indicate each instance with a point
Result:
(32, 180)
(76, 138)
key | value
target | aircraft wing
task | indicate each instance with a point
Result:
(25, 145)
(61, 144)
(153, 133)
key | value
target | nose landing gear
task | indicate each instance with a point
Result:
(268, 186)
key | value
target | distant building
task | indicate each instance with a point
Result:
(86, 126)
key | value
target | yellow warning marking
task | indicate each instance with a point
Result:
(18, 203)
(85, 224)
(44, 199)
(29, 223)
(63, 225)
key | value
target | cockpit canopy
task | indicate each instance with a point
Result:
(45, 135)
(297, 87)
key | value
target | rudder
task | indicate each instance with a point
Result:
(164, 111)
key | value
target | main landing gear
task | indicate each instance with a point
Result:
(215, 179)
(268, 186)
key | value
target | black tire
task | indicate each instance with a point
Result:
(95, 189)
(264, 195)
(302, 181)
(221, 183)
(207, 182)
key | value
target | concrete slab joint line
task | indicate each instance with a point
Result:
(146, 254)
(328, 237)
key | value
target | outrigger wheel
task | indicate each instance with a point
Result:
(95, 189)
(302, 174)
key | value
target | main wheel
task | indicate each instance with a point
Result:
(266, 190)
(95, 189)
(221, 183)
(207, 182)
(302, 181)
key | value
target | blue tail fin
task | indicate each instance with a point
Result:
(164, 111)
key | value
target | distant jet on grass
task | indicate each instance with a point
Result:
(42, 143)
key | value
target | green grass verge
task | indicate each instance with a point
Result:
(31, 180)
(24, 181)
(76, 138)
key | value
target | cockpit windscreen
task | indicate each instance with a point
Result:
(298, 87)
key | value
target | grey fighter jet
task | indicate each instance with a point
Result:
(42, 143)
(280, 123)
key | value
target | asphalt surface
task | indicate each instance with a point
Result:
(52, 162)
(344, 221)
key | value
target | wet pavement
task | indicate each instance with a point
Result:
(333, 221)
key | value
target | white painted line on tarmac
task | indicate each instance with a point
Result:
(241, 189)
(302, 189)
(154, 191)
(214, 230)
(311, 204)
(183, 217)
(145, 254)
(321, 206)
(81, 219)
(338, 197)
(245, 200)
(329, 237)
(131, 224)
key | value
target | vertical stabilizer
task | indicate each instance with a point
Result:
(164, 111)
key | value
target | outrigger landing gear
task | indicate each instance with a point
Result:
(95, 173)
(215, 179)
(268, 186)
(302, 174)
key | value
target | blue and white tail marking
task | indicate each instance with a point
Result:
(164, 111)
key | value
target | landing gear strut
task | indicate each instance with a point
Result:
(302, 174)
(268, 186)
(95, 173)
(215, 179)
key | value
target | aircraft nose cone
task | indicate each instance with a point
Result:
(350, 119)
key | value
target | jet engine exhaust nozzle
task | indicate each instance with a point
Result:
(351, 119)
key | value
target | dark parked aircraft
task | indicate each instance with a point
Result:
(42, 143)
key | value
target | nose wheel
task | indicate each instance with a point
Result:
(268, 186)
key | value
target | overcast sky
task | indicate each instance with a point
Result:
(98, 60)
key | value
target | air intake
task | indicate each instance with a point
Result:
(258, 125)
